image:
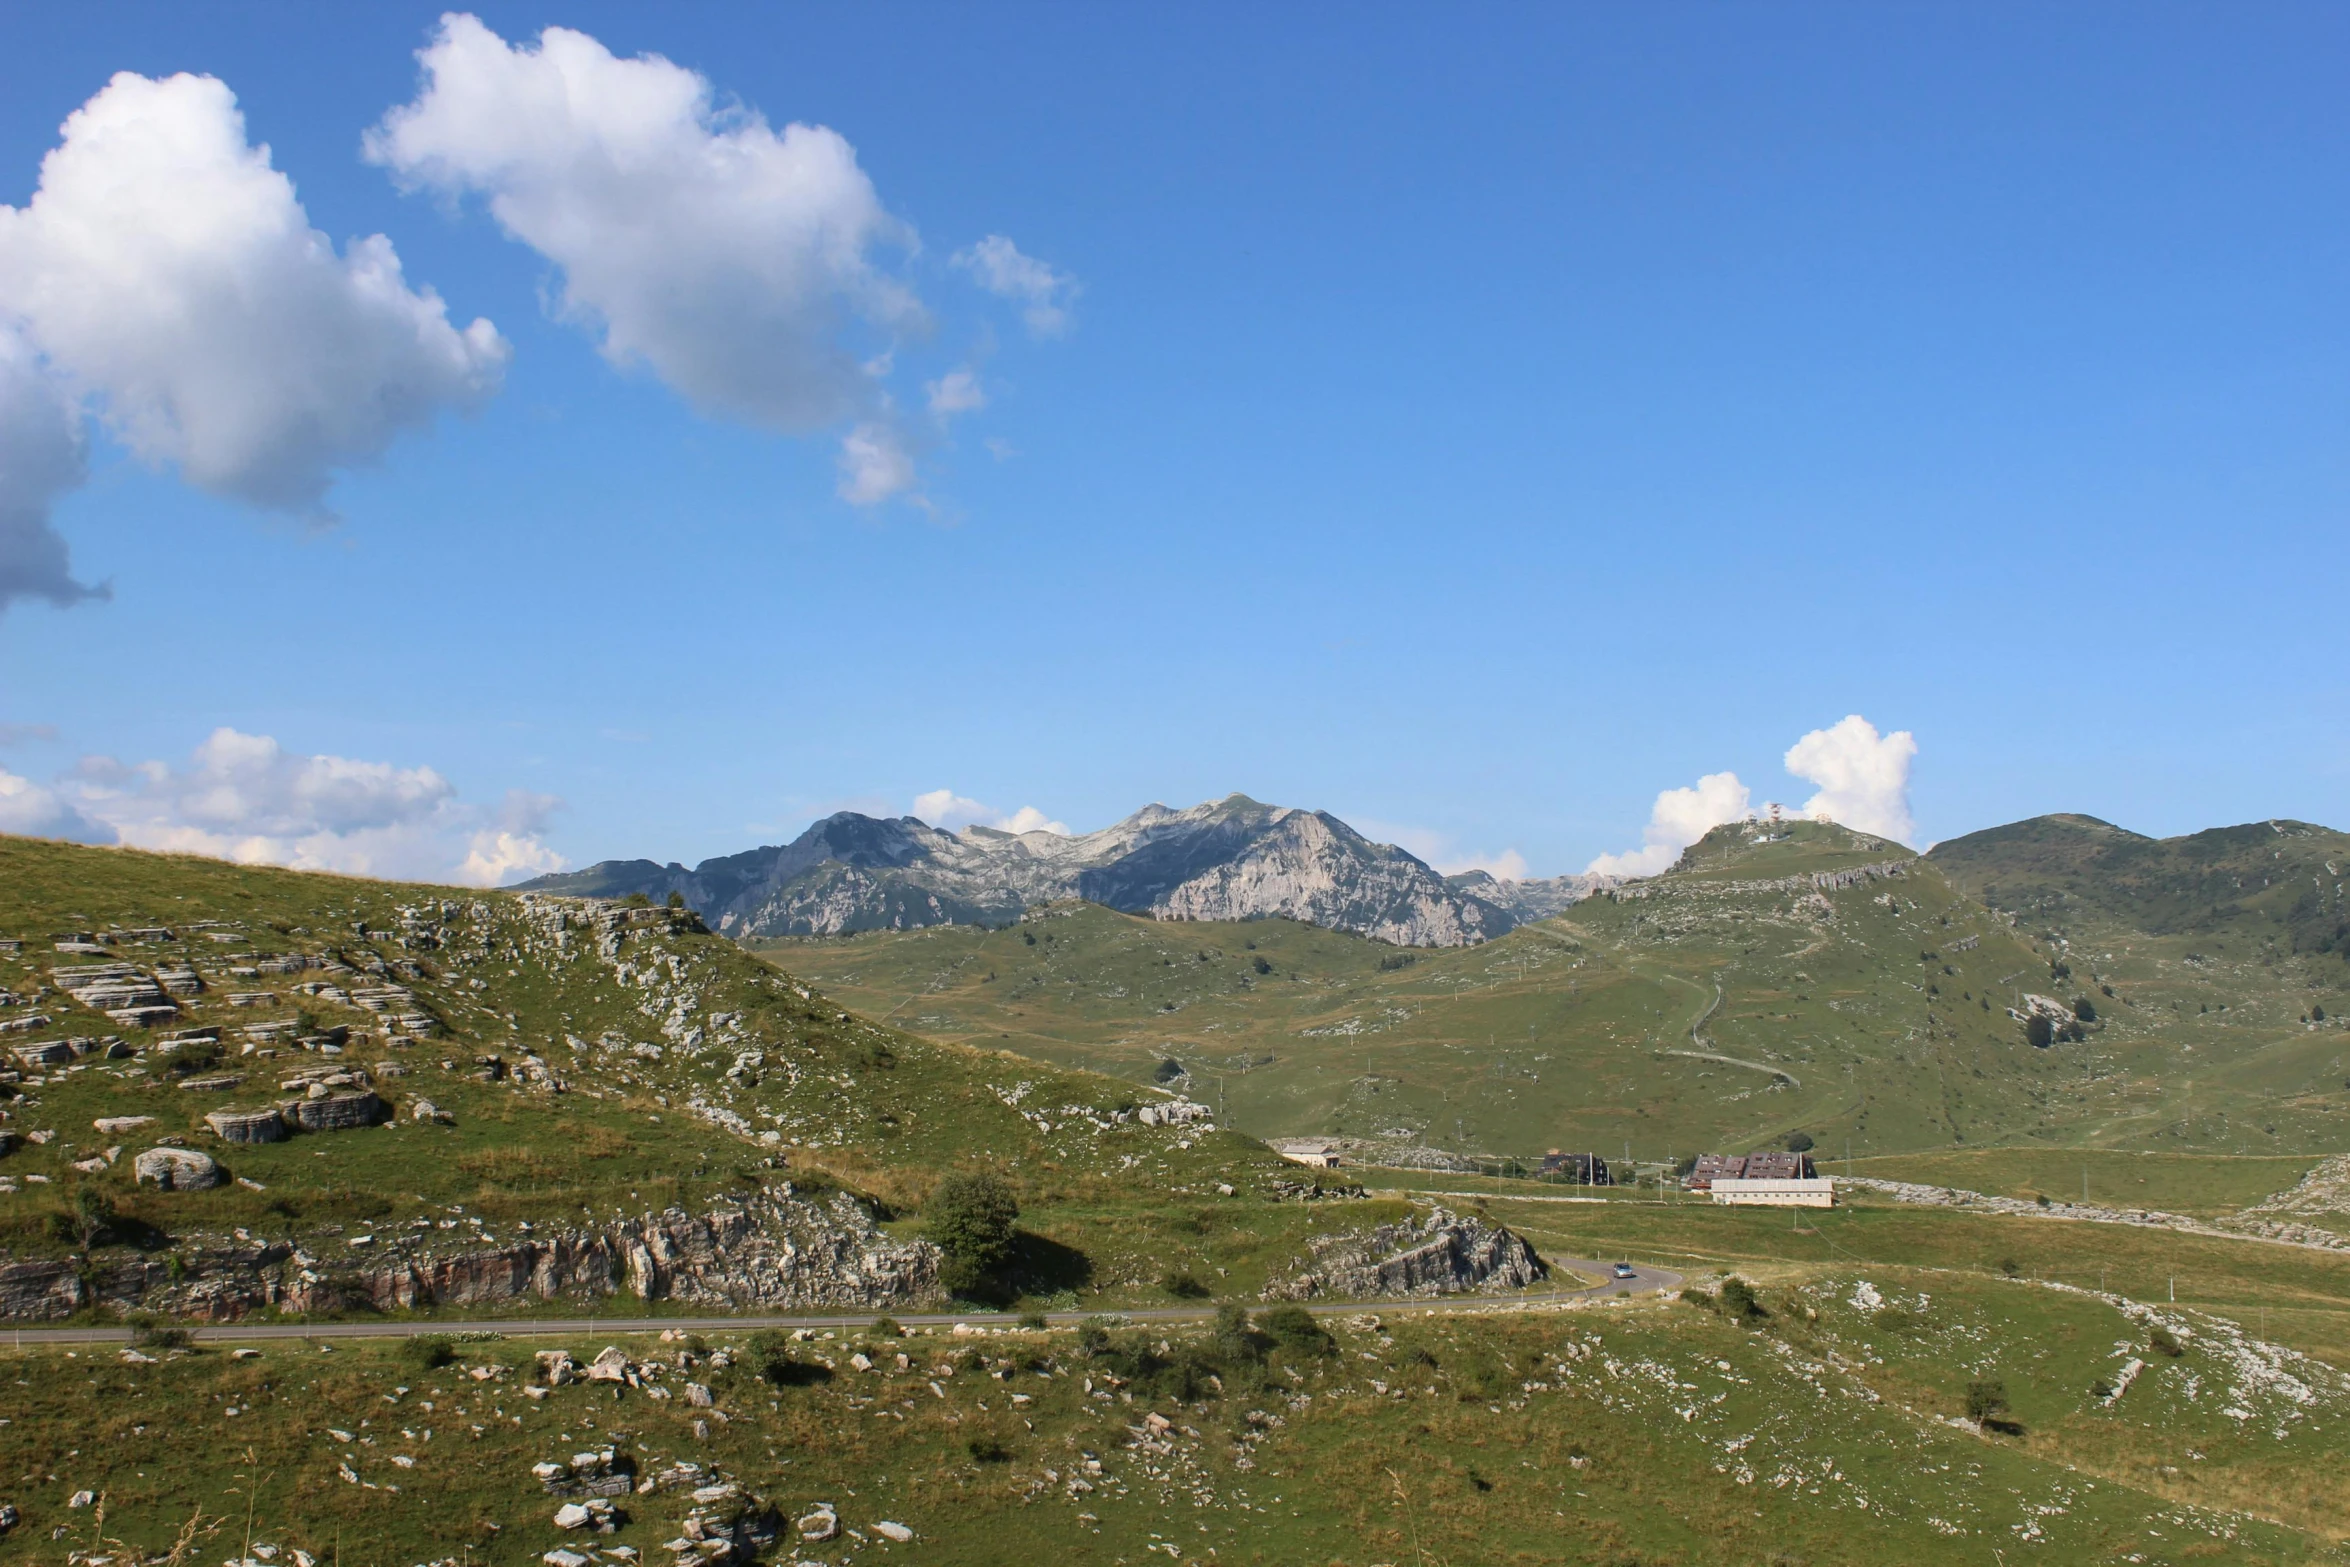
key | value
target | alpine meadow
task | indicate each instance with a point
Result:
(968, 787)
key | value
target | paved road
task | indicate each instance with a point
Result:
(1649, 1281)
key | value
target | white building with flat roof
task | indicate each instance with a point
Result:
(1810, 1192)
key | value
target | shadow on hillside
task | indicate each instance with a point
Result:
(1046, 1267)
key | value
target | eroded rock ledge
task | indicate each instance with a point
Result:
(777, 1250)
(1443, 1254)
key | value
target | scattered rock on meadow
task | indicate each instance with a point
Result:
(178, 1169)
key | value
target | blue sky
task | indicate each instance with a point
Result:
(1471, 421)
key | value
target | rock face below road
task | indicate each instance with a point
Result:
(1439, 1255)
(774, 1251)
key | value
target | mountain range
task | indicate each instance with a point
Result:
(1229, 859)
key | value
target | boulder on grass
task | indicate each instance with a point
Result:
(247, 1126)
(179, 1169)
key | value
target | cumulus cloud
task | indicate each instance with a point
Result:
(952, 812)
(31, 811)
(956, 392)
(875, 463)
(1440, 853)
(692, 237)
(40, 460)
(1043, 293)
(1863, 777)
(512, 850)
(165, 269)
(1678, 819)
(246, 798)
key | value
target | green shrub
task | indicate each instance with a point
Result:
(887, 1327)
(987, 1450)
(1238, 1342)
(1183, 1286)
(2164, 1342)
(1739, 1302)
(429, 1351)
(150, 1332)
(1034, 1321)
(1297, 1331)
(1986, 1400)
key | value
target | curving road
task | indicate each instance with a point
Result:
(1647, 1281)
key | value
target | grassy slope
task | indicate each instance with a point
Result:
(1659, 1434)
(886, 1111)
(2215, 941)
(1560, 1034)
(1828, 1406)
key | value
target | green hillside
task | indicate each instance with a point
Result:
(608, 1065)
(1804, 979)
(2276, 886)
(588, 1062)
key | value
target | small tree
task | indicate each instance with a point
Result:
(970, 1218)
(1986, 1400)
(2039, 1033)
(2085, 1009)
(1738, 1300)
(1169, 1070)
(677, 900)
(88, 1216)
(1799, 1142)
(2164, 1342)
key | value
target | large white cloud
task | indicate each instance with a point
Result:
(1863, 776)
(1678, 819)
(1043, 292)
(695, 238)
(246, 798)
(31, 811)
(40, 460)
(943, 808)
(164, 268)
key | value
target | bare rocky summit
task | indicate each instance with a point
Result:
(1229, 859)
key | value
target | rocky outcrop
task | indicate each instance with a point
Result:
(247, 1126)
(178, 1170)
(1229, 859)
(1440, 1255)
(777, 1251)
(332, 1112)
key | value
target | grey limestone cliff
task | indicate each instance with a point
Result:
(1228, 859)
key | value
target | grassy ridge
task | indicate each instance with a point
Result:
(1728, 1005)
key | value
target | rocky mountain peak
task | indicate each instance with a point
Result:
(1228, 859)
